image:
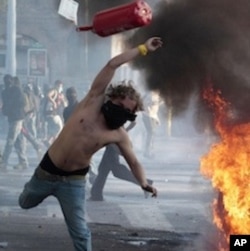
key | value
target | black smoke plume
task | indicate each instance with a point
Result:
(204, 42)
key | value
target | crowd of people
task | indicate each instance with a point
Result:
(29, 115)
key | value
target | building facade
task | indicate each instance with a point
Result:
(48, 46)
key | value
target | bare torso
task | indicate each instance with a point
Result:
(84, 133)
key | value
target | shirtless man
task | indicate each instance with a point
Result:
(93, 124)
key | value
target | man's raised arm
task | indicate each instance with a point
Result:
(106, 74)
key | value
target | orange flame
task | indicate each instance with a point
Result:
(228, 166)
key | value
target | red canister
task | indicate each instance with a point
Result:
(121, 18)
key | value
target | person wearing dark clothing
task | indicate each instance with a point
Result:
(71, 96)
(14, 108)
(13, 99)
(110, 162)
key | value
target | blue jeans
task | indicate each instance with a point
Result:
(71, 196)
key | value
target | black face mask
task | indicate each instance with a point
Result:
(115, 115)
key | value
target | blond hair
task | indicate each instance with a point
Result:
(125, 89)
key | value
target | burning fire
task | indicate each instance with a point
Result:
(228, 166)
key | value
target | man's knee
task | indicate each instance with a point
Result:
(23, 201)
(26, 202)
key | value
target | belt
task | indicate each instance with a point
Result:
(42, 174)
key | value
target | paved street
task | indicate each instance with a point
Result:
(183, 204)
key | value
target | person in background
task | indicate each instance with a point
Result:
(150, 118)
(55, 101)
(29, 125)
(57, 98)
(14, 103)
(31, 120)
(71, 96)
(110, 162)
(96, 121)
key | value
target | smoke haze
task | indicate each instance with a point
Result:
(97, 5)
(203, 40)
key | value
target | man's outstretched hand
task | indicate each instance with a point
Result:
(150, 189)
(153, 43)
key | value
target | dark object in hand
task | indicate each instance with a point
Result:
(147, 188)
